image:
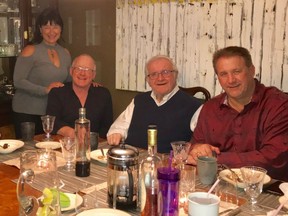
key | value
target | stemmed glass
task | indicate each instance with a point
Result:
(180, 152)
(48, 124)
(68, 147)
(253, 178)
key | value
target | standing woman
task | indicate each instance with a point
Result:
(41, 66)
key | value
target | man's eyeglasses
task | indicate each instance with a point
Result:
(84, 69)
(164, 73)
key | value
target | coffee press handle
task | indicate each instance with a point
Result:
(27, 203)
(131, 185)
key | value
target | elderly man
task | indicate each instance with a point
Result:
(167, 107)
(248, 123)
(64, 102)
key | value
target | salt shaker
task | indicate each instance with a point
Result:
(168, 194)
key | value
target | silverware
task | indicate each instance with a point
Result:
(233, 173)
(234, 212)
(225, 211)
(101, 149)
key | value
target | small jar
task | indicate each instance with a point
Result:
(168, 194)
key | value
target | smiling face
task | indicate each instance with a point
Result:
(236, 78)
(51, 32)
(164, 82)
(83, 71)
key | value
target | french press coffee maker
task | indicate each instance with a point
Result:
(122, 176)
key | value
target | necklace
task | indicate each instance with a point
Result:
(53, 55)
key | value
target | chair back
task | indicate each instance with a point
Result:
(194, 90)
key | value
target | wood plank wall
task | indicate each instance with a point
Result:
(189, 31)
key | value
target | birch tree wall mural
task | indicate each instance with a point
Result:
(189, 31)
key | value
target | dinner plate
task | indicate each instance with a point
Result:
(48, 145)
(227, 176)
(72, 198)
(12, 145)
(103, 212)
(97, 155)
(284, 199)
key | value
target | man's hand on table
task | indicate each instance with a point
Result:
(114, 139)
(201, 149)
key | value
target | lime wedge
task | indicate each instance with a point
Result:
(48, 197)
(64, 199)
(43, 211)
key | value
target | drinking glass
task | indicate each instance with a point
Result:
(187, 185)
(48, 124)
(68, 147)
(180, 152)
(253, 178)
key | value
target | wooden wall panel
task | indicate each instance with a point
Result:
(189, 31)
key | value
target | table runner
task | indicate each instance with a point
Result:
(98, 178)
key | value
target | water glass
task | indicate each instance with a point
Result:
(180, 151)
(27, 131)
(88, 192)
(48, 125)
(68, 146)
(228, 193)
(187, 185)
(253, 178)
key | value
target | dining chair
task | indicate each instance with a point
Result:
(194, 90)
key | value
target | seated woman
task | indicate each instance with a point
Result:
(64, 102)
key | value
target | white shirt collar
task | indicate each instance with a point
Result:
(166, 97)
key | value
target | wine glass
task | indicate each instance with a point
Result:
(180, 152)
(253, 178)
(68, 146)
(48, 124)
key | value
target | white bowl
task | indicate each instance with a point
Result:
(12, 145)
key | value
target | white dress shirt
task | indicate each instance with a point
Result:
(122, 123)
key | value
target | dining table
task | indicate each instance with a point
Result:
(9, 174)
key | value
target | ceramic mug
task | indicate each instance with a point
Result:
(207, 169)
(200, 203)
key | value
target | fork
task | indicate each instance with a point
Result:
(233, 173)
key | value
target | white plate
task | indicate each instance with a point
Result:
(12, 145)
(48, 145)
(226, 175)
(97, 155)
(72, 201)
(284, 199)
(103, 212)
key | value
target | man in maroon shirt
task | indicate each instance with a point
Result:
(248, 123)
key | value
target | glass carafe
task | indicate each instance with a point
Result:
(122, 177)
(37, 187)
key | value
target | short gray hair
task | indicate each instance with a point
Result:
(157, 57)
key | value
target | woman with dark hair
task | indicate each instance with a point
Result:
(41, 66)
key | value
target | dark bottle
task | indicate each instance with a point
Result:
(148, 175)
(82, 138)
